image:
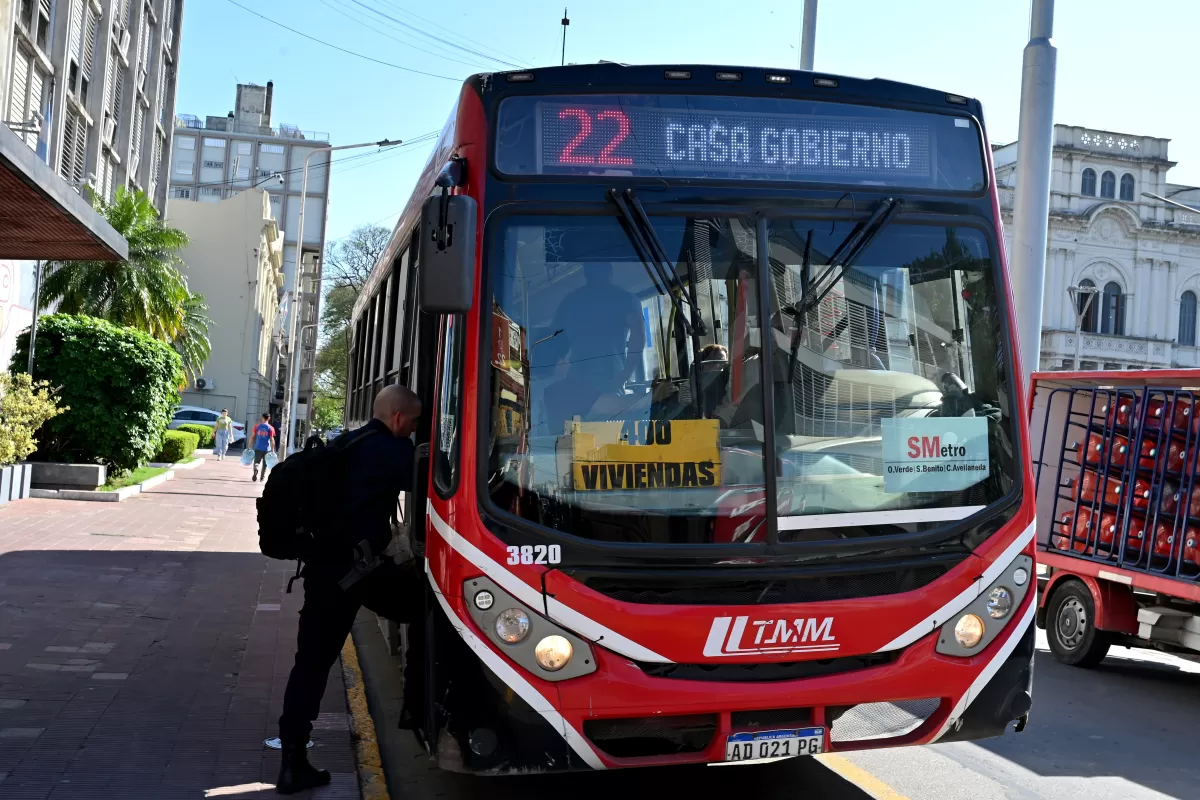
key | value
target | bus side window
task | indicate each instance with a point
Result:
(449, 408)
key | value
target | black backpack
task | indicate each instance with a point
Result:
(301, 499)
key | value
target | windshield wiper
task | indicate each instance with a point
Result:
(847, 253)
(657, 263)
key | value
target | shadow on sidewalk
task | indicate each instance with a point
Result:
(150, 673)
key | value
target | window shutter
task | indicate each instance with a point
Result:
(20, 89)
(79, 165)
(89, 43)
(37, 83)
(135, 155)
(67, 154)
(75, 31)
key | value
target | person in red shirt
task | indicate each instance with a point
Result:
(264, 442)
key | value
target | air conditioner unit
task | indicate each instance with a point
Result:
(110, 130)
(123, 43)
(205, 384)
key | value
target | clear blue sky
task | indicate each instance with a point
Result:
(1122, 66)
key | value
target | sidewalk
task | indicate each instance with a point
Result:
(144, 648)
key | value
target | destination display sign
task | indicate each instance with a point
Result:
(737, 138)
(652, 454)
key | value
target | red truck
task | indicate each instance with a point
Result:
(1118, 501)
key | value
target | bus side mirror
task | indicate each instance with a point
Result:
(447, 262)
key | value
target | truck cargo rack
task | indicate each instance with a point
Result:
(1124, 461)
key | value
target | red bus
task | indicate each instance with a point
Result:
(724, 456)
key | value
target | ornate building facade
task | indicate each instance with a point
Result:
(1136, 257)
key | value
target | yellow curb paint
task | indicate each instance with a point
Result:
(859, 777)
(371, 780)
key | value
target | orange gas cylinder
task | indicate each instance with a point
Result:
(1170, 498)
(1176, 455)
(1089, 486)
(1179, 409)
(1191, 546)
(1136, 535)
(1164, 540)
(1141, 493)
(1067, 525)
(1106, 530)
(1120, 412)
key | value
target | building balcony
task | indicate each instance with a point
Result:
(1120, 352)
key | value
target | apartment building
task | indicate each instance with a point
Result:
(217, 157)
(87, 97)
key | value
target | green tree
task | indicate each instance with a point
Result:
(348, 264)
(121, 385)
(148, 292)
(192, 340)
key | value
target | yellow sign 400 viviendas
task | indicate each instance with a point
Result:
(651, 454)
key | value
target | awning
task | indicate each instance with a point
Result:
(41, 217)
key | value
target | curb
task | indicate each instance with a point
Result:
(115, 496)
(371, 781)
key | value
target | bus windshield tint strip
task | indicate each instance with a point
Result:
(733, 138)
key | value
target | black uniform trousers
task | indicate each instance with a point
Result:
(392, 591)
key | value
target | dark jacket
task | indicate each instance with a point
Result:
(379, 468)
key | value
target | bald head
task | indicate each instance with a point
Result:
(398, 408)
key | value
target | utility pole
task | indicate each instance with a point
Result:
(1031, 209)
(565, 23)
(37, 308)
(292, 389)
(808, 36)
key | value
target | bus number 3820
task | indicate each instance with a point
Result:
(535, 554)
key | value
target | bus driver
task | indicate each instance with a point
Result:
(605, 334)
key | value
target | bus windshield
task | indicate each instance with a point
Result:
(614, 418)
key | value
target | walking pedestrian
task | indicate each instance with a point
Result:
(222, 431)
(264, 442)
(351, 570)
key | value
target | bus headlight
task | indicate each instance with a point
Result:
(512, 625)
(968, 631)
(976, 625)
(553, 653)
(1000, 602)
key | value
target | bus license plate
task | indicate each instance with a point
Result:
(774, 744)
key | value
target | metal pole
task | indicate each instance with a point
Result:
(1031, 209)
(808, 36)
(565, 23)
(293, 384)
(37, 308)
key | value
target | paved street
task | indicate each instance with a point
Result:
(1124, 731)
(144, 647)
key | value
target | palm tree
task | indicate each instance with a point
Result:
(192, 340)
(147, 292)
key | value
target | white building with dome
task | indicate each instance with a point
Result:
(1142, 256)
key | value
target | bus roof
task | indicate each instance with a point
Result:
(733, 80)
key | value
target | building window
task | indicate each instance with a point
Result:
(210, 142)
(1187, 319)
(1112, 311)
(1089, 182)
(1127, 187)
(186, 142)
(1088, 303)
(1088, 366)
(1111, 366)
(183, 194)
(1108, 185)
(272, 148)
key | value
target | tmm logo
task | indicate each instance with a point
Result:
(741, 636)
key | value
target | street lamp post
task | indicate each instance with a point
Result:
(1080, 312)
(808, 35)
(293, 384)
(1031, 209)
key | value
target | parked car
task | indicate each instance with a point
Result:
(333, 433)
(195, 415)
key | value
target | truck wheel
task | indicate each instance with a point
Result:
(1071, 627)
